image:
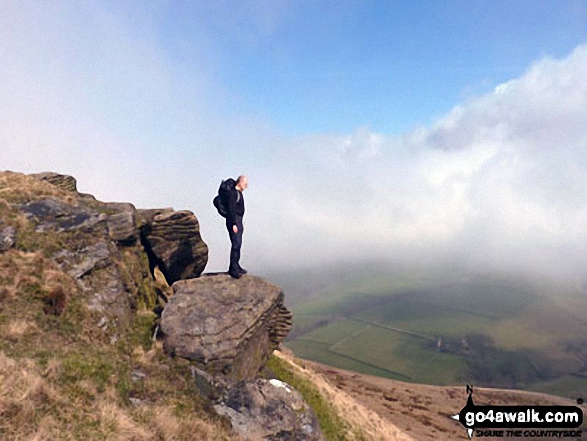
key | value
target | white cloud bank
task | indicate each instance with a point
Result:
(500, 182)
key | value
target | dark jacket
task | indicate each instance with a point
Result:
(235, 204)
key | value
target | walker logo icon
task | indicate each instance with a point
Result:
(520, 421)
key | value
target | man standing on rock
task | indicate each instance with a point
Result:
(235, 205)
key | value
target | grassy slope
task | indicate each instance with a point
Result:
(61, 378)
(341, 417)
(61, 382)
(332, 425)
(422, 411)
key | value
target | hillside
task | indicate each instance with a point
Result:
(423, 411)
(77, 360)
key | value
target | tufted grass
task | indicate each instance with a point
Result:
(331, 424)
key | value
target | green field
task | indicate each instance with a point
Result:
(567, 385)
(492, 332)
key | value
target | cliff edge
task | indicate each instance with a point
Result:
(110, 330)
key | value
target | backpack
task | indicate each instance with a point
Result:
(219, 200)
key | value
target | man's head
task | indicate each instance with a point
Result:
(242, 182)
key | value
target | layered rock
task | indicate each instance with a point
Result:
(64, 182)
(86, 252)
(227, 326)
(269, 410)
(122, 223)
(99, 244)
(280, 325)
(173, 242)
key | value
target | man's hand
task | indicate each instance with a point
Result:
(235, 228)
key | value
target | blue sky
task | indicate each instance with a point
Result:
(420, 131)
(330, 66)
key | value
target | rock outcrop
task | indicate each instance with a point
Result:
(105, 273)
(269, 410)
(229, 329)
(96, 263)
(7, 238)
(56, 216)
(173, 243)
(99, 245)
(227, 326)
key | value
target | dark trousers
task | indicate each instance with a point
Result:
(236, 240)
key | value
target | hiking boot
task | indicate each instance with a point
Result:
(234, 275)
(242, 271)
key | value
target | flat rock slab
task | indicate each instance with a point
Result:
(269, 410)
(227, 326)
(52, 214)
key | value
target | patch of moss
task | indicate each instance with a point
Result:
(123, 385)
(88, 366)
(331, 424)
(137, 277)
(141, 329)
(147, 294)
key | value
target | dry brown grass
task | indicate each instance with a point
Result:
(18, 328)
(423, 411)
(160, 283)
(117, 424)
(32, 407)
(21, 268)
(22, 392)
(19, 188)
(54, 278)
(167, 426)
(39, 400)
(371, 426)
(160, 278)
(32, 274)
